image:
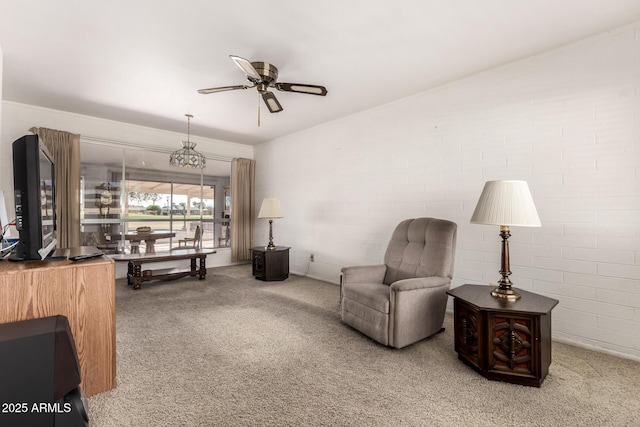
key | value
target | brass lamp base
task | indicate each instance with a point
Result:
(505, 293)
(270, 246)
(503, 288)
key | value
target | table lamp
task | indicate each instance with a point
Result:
(506, 203)
(271, 209)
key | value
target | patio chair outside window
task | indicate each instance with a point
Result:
(192, 242)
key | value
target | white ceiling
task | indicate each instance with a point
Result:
(141, 61)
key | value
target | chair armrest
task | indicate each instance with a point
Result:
(364, 273)
(419, 283)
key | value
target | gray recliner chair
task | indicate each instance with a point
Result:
(403, 300)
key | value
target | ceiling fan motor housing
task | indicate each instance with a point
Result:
(268, 72)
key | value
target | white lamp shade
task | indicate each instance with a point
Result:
(270, 208)
(506, 203)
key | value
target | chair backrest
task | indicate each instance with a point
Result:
(421, 247)
(196, 234)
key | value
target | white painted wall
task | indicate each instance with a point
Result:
(17, 119)
(5, 174)
(566, 121)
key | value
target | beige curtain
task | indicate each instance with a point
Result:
(242, 208)
(64, 147)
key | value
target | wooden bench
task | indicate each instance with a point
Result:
(135, 274)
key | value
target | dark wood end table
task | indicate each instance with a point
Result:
(503, 340)
(270, 264)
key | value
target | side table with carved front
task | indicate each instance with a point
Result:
(503, 340)
(270, 264)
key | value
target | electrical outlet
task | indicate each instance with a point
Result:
(311, 258)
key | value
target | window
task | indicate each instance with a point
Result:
(168, 200)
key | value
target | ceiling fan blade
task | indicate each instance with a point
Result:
(272, 103)
(246, 67)
(302, 88)
(222, 89)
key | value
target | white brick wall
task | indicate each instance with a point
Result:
(5, 173)
(567, 121)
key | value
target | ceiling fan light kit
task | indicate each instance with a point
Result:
(264, 76)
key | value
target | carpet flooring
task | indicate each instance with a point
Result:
(235, 351)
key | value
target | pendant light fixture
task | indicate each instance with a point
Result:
(187, 156)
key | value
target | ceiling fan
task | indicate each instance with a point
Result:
(263, 76)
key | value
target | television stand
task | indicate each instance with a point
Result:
(84, 292)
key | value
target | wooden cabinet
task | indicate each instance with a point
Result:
(84, 292)
(270, 264)
(503, 340)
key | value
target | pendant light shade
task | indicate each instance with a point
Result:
(187, 156)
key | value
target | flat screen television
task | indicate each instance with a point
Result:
(34, 198)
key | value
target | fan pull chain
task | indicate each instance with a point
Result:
(258, 109)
